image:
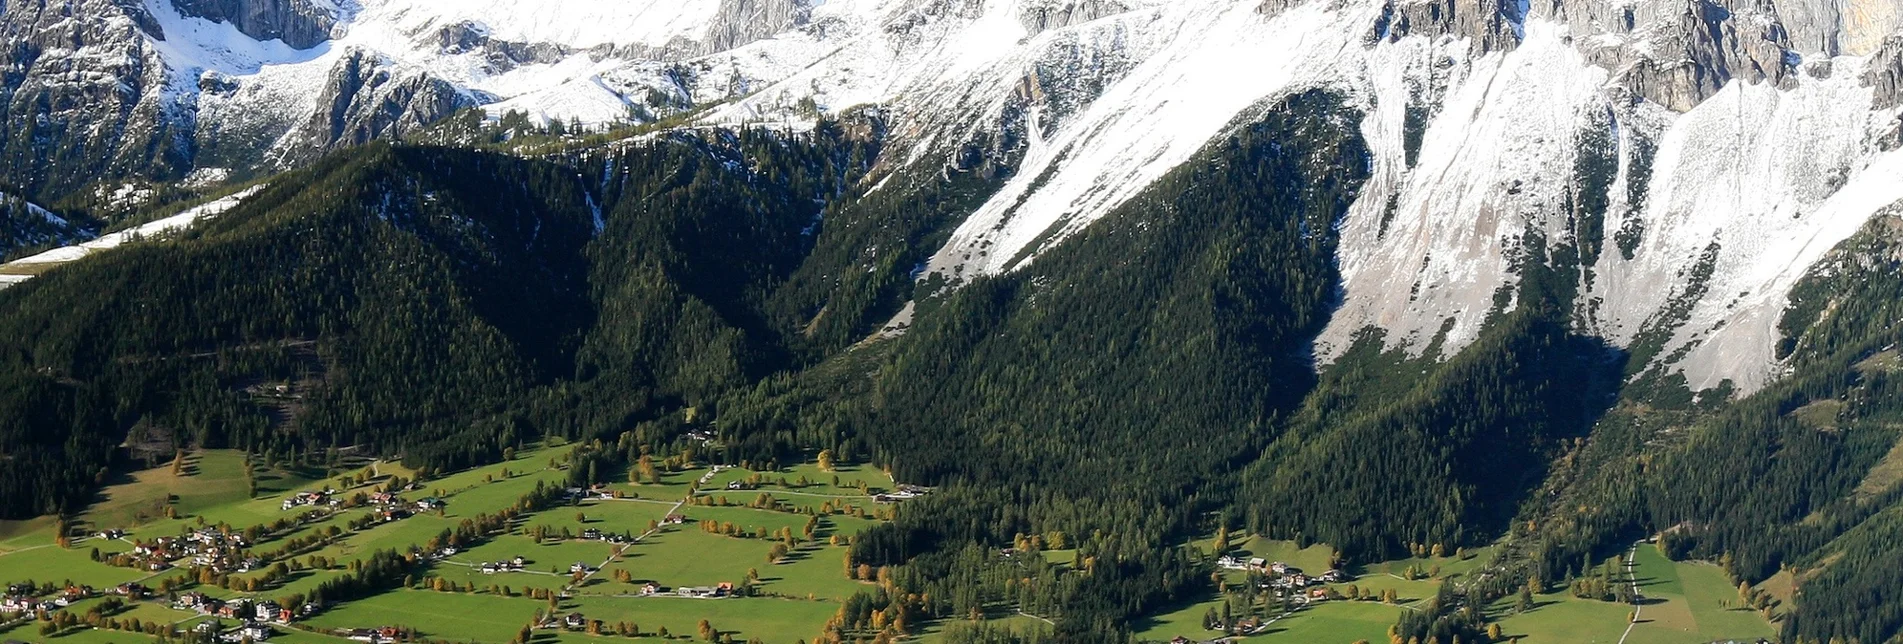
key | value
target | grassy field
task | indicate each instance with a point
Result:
(685, 556)
(213, 489)
(1683, 603)
(817, 571)
(212, 480)
(458, 616)
(777, 621)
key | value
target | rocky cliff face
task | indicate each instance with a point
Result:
(81, 94)
(1884, 73)
(364, 100)
(299, 23)
(1039, 17)
(1490, 25)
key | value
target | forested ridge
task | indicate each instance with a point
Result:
(1140, 385)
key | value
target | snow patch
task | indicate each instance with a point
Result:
(155, 229)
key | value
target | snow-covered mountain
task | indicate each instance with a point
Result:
(1701, 154)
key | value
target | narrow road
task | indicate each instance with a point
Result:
(624, 547)
(1634, 580)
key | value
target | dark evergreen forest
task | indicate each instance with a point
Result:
(1142, 384)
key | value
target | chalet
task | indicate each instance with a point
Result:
(1259, 563)
(111, 534)
(489, 569)
(518, 562)
(1297, 580)
(265, 610)
(1336, 576)
(1318, 593)
(1228, 562)
(697, 592)
(131, 590)
(429, 504)
(591, 534)
(191, 601)
(574, 620)
(580, 567)
(253, 632)
(674, 519)
(650, 588)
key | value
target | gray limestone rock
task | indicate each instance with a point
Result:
(1884, 73)
(365, 100)
(299, 23)
(1039, 17)
(1491, 25)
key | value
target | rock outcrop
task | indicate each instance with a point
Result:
(740, 22)
(1491, 25)
(80, 96)
(364, 100)
(1884, 73)
(1039, 17)
(299, 23)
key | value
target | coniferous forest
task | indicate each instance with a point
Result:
(1143, 384)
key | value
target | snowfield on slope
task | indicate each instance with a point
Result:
(157, 229)
(1770, 177)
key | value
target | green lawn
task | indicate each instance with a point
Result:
(213, 480)
(1313, 559)
(1186, 621)
(685, 556)
(51, 563)
(621, 516)
(1684, 603)
(1334, 623)
(456, 616)
(1560, 618)
(818, 482)
(818, 572)
(1695, 602)
(546, 557)
(776, 621)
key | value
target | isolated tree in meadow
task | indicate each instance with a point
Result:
(826, 460)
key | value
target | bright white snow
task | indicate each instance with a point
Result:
(151, 230)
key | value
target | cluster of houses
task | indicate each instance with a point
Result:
(384, 635)
(510, 565)
(718, 591)
(261, 611)
(209, 547)
(571, 621)
(325, 499)
(1284, 578)
(387, 506)
(592, 534)
(903, 493)
(245, 632)
(24, 598)
(574, 494)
